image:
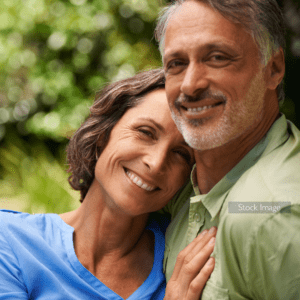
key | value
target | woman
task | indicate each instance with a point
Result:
(127, 160)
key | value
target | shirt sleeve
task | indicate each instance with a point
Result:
(11, 283)
(273, 266)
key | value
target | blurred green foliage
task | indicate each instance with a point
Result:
(34, 181)
(54, 56)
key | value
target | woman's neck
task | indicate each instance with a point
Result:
(106, 239)
(101, 230)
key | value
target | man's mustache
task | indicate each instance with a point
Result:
(216, 95)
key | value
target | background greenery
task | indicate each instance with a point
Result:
(54, 55)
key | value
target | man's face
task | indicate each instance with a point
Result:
(215, 82)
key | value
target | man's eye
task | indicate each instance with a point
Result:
(174, 66)
(218, 60)
(219, 57)
(175, 63)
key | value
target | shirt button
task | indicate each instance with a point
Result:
(197, 218)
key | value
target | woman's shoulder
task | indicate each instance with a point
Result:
(17, 217)
(28, 225)
(12, 219)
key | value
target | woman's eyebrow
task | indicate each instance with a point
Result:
(159, 126)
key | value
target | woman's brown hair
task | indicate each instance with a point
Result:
(108, 108)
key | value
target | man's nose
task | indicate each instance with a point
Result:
(195, 80)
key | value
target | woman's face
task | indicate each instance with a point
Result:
(146, 159)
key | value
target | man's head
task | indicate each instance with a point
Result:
(222, 60)
(263, 19)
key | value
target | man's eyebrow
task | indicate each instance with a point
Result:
(206, 47)
(172, 55)
(225, 46)
(161, 128)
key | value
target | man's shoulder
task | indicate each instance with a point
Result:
(274, 177)
(262, 191)
(254, 217)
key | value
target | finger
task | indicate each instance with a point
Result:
(203, 241)
(182, 254)
(190, 269)
(198, 284)
(178, 288)
(199, 243)
(189, 252)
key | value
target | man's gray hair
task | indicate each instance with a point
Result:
(263, 19)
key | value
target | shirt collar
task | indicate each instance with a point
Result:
(214, 200)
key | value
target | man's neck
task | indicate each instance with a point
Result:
(214, 164)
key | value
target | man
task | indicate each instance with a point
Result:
(224, 66)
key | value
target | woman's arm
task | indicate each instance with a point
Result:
(193, 268)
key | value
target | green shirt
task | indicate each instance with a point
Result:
(257, 255)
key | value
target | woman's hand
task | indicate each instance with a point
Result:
(193, 268)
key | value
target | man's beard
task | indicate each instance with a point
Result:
(234, 121)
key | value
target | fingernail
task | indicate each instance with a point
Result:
(212, 240)
(204, 232)
(210, 261)
(212, 230)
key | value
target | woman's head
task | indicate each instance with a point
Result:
(109, 106)
(145, 161)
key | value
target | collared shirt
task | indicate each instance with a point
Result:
(257, 250)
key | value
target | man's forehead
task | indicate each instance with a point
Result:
(192, 14)
(199, 25)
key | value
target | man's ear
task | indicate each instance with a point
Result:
(275, 70)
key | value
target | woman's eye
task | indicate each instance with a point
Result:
(184, 154)
(146, 132)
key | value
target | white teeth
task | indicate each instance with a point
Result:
(139, 182)
(197, 109)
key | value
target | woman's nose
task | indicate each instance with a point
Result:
(156, 159)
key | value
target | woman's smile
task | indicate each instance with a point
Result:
(137, 180)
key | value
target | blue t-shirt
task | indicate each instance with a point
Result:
(38, 261)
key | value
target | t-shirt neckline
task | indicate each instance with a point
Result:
(94, 281)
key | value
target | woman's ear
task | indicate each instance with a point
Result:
(275, 69)
(101, 143)
(101, 140)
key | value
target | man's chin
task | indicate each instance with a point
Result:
(196, 134)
